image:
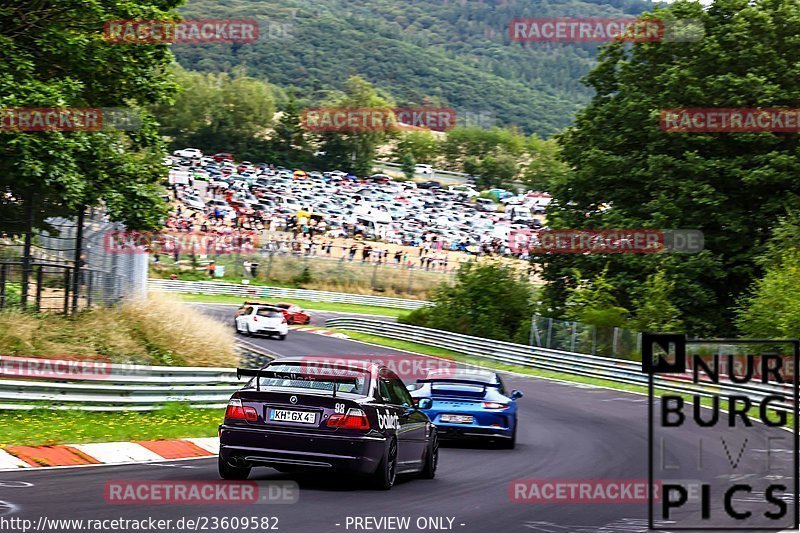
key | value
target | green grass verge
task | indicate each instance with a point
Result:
(306, 304)
(42, 427)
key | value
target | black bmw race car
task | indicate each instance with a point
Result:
(352, 416)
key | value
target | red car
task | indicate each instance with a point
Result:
(293, 313)
(222, 156)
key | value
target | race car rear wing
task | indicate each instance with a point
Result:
(296, 376)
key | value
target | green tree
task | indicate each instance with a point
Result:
(497, 171)
(408, 165)
(290, 144)
(546, 169)
(354, 151)
(594, 302)
(629, 173)
(772, 310)
(54, 55)
(772, 306)
(655, 309)
(488, 300)
(422, 145)
(220, 111)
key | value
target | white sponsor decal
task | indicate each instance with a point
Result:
(388, 420)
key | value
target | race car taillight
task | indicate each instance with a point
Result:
(494, 405)
(236, 411)
(354, 419)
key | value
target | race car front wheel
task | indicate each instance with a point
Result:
(384, 476)
(227, 471)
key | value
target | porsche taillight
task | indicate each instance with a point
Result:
(494, 405)
(354, 419)
(236, 411)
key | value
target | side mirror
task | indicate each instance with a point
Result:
(516, 394)
(425, 403)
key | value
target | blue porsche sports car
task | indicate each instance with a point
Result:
(468, 403)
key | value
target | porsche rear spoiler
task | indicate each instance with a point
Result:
(462, 381)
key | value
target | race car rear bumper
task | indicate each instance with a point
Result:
(464, 431)
(265, 447)
(271, 331)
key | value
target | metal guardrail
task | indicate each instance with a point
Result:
(617, 370)
(256, 291)
(30, 383)
(456, 178)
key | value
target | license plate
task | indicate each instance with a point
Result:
(302, 417)
(458, 419)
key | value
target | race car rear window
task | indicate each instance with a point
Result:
(303, 376)
(269, 313)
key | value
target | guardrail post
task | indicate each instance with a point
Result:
(549, 332)
(534, 333)
(573, 336)
(39, 283)
(67, 285)
(89, 277)
(3, 277)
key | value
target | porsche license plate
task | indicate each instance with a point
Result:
(457, 419)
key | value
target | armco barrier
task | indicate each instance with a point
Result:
(617, 370)
(27, 383)
(255, 291)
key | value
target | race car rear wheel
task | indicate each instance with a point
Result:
(431, 459)
(282, 337)
(384, 476)
(227, 471)
(511, 443)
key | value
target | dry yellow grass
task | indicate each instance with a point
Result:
(178, 331)
(155, 331)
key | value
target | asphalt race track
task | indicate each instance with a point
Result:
(567, 432)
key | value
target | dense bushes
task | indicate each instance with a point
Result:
(487, 300)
